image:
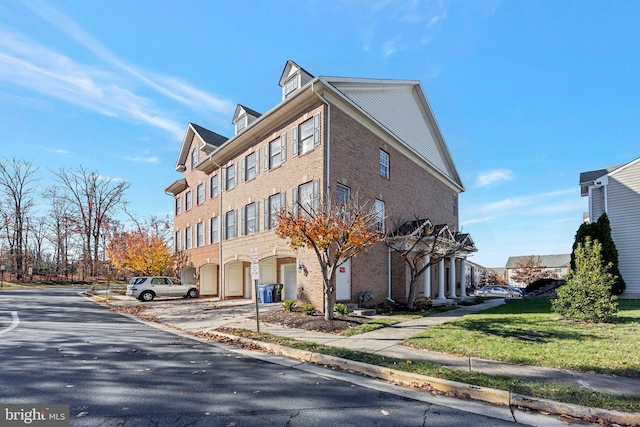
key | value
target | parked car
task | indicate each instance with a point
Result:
(146, 288)
(498, 291)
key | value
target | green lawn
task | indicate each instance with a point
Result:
(368, 327)
(527, 332)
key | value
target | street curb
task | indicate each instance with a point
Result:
(446, 387)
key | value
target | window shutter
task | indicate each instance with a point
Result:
(294, 200)
(243, 228)
(223, 229)
(235, 219)
(267, 210)
(315, 203)
(283, 201)
(243, 167)
(223, 179)
(294, 146)
(316, 129)
(257, 212)
(266, 157)
(257, 161)
(283, 148)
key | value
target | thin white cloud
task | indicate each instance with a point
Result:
(143, 159)
(485, 179)
(544, 203)
(475, 221)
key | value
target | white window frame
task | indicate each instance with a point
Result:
(290, 86)
(231, 225)
(214, 232)
(343, 195)
(303, 144)
(177, 241)
(195, 154)
(231, 179)
(200, 229)
(275, 152)
(384, 164)
(200, 194)
(214, 186)
(251, 166)
(250, 219)
(188, 201)
(272, 206)
(178, 205)
(188, 238)
(312, 193)
(380, 223)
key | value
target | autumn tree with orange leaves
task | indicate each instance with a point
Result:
(336, 231)
(144, 251)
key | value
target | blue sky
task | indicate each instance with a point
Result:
(528, 94)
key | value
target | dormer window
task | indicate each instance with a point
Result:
(291, 86)
(241, 124)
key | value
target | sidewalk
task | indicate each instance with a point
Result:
(208, 315)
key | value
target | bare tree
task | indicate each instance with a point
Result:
(95, 198)
(17, 185)
(528, 269)
(60, 227)
(421, 244)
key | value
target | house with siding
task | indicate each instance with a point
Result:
(555, 266)
(615, 191)
(327, 135)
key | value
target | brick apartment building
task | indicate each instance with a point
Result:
(328, 134)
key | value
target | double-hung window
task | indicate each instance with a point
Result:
(214, 186)
(194, 158)
(306, 198)
(272, 207)
(215, 232)
(178, 205)
(230, 225)
(187, 200)
(454, 205)
(177, 241)
(230, 178)
(251, 166)
(200, 194)
(343, 196)
(250, 217)
(200, 234)
(380, 216)
(290, 86)
(306, 135)
(187, 238)
(384, 164)
(275, 152)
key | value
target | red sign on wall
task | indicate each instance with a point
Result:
(342, 270)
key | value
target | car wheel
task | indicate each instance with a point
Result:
(193, 293)
(147, 296)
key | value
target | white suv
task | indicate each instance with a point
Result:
(146, 288)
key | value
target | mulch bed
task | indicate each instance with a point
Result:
(296, 319)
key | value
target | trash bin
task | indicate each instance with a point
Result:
(262, 293)
(268, 294)
(277, 292)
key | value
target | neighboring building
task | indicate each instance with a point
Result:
(474, 273)
(616, 191)
(328, 134)
(556, 267)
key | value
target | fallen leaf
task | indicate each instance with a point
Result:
(384, 412)
(82, 414)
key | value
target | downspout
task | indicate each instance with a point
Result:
(221, 287)
(328, 143)
(389, 272)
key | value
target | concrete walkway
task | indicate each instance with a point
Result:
(208, 315)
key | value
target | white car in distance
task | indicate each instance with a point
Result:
(146, 288)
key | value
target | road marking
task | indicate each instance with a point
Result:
(14, 324)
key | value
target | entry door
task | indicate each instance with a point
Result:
(343, 282)
(209, 280)
(234, 280)
(290, 281)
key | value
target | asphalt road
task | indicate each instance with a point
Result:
(56, 347)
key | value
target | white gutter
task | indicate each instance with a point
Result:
(389, 273)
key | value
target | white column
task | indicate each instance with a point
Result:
(463, 279)
(426, 278)
(441, 279)
(452, 277)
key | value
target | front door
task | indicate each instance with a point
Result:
(209, 280)
(343, 282)
(290, 281)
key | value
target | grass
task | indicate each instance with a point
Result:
(370, 326)
(557, 392)
(527, 332)
(424, 313)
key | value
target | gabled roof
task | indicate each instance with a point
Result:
(291, 68)
(546, 261)
(242, 110)
(208, 141)
(401, 108)
(589, 178)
